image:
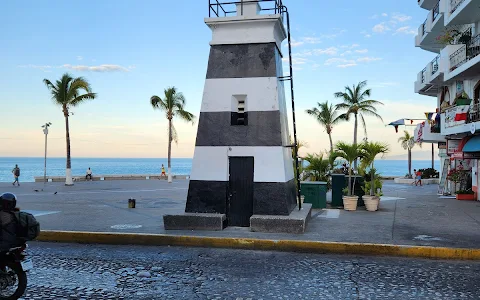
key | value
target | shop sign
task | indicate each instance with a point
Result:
(452, 146)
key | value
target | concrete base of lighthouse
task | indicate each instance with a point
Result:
(295, 222)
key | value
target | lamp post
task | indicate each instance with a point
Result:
(45, 131)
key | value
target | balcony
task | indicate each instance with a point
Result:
(427, 4)
(428, 133)
(430, 78)
(462, 12)
(454, 120)
(464, 60)
(431, 29)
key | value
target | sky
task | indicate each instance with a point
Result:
(131, 50)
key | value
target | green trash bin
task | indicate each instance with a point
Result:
(315, 192)
(338, 184)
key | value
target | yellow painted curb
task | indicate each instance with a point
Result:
(258, 244)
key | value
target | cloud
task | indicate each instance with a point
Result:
(365, 34)
(400, 17)
(40, 67)
(326, 51)
(384, 15)
(79, 57)
(347, 65)
(406, 30)
(368, 59)
(295, 43)
(380, 28)
(99, 68)
(340, 62)
(311, 40)
(361, 51)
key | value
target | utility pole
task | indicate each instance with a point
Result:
(45, 131)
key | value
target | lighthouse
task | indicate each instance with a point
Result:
(242, 171)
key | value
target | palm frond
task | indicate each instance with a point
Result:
(364, 125)
(158, 103)
(79, 99)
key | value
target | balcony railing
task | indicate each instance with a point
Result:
(474, 113)
(424, 75)
(435, 64)
(436, 11)
(453, 115)
(465, 53)
(454, 4)
(224, 8)
(424, 28)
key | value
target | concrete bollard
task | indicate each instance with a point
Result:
(131, 203)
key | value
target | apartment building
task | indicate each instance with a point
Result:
(451, 32)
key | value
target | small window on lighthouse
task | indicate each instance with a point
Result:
(239, 115)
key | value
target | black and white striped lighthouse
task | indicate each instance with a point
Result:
(242, 165)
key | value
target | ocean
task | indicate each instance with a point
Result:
(33, 167)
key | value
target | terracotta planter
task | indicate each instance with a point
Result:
(371, 202)
(350, 202)
(466, 197)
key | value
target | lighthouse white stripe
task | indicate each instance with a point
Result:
(272, 164)
(219, 94)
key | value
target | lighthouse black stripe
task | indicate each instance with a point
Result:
(269, 198)
(216, 129)
(244, 60)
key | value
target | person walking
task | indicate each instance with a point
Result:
(16, 174)
(418, 177)
(163, 172)
(89, 174)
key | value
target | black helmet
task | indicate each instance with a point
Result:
(8, 201)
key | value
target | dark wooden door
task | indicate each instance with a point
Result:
(240, 191)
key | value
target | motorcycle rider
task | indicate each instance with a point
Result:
(8, 205)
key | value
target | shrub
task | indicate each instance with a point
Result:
(429, 173)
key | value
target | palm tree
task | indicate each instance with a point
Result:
(318, 168)
(408, 143)
(326, 114)
(173, 104)
(349, 152)
(67, 93)
(370, 151)
(355, 101)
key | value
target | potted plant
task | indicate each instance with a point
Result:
(369, 151)
(459, 176)
(349, 152)
(468, 195)
(463, 99)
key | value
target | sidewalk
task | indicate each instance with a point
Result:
(408, 215)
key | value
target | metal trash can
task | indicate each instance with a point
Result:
(315, 192)
(338, 184)
(131, 203)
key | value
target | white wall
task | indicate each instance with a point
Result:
(272, 164)
(262, 94)
(247, 30)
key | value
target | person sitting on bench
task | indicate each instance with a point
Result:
(89, 174)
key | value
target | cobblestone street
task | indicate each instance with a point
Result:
(71, 271)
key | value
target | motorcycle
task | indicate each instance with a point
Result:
(14, 264)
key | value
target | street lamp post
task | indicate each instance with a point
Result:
(45, 131)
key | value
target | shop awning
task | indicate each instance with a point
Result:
(472, 145)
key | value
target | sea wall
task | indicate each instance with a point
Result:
(111, 177)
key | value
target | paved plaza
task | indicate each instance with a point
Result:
(408, 215)
(73, 271)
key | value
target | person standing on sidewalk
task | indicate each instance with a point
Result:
(16, 174)
(163, 172)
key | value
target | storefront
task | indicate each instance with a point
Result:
(465, 155)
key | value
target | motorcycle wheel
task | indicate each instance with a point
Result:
(22, 280)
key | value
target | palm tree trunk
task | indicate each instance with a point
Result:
(372, 182)
(409, 162)
(68, 173)
(169, 150)
(331, 143)
(355, 138)
(350, 181)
